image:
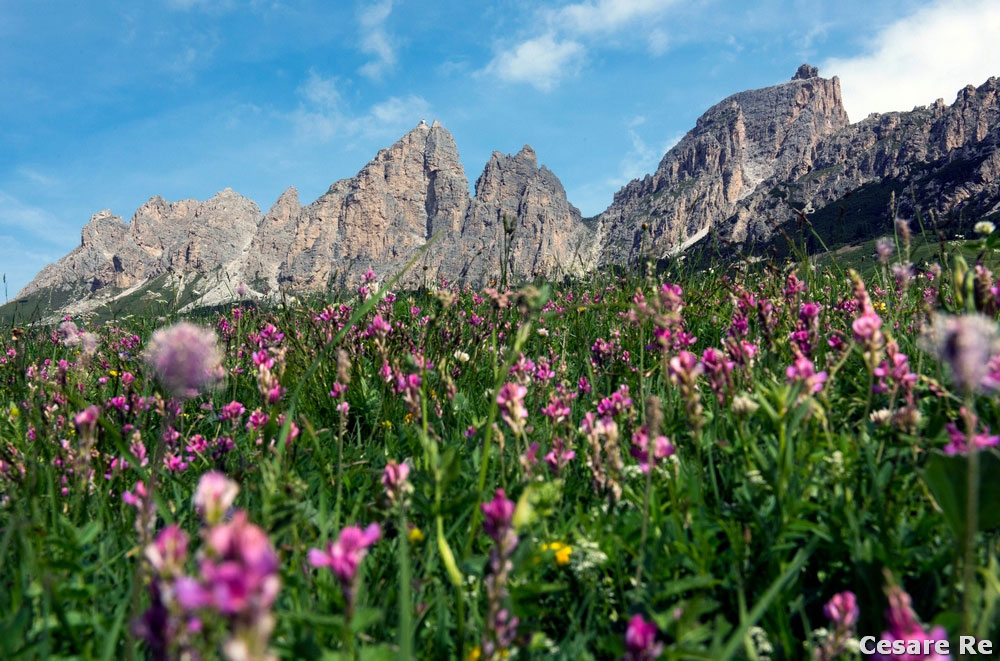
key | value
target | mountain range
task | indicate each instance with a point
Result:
(751, 163)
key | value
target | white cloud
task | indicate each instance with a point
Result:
(16, 214)
(19, 263)
(209, 5)
(322, 114)
(927, 55)
(375, 40)
(541, 61)
(607, 15)
(560, 47)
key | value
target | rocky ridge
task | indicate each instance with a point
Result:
(749, 165)
(755, 159)
(409, 193)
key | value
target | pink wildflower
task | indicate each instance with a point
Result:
(186, 358)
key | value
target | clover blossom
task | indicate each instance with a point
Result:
(640, 640)
(186, 359)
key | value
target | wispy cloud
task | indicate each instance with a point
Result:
(558, 50)
(37, 177)
(929, 54)
(540, 62)
(602, 16)
(323, 115)
(376, 40)
(19, 263)
(209, 5)
(25, 218)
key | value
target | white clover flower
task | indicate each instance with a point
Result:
(984, 227)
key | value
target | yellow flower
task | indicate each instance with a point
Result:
(416, 535)
(561, 550)
(581, 309)
(14, 412)
(387, 424)
(113, 373)
(879, 305)
(474, 654)
(408, 418)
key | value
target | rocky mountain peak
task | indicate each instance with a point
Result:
(742, 141)
(805, 72)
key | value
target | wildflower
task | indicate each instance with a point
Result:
(640, 640)
(842, 610)
(186, 358)
(662, 448)
(904, 626)
(884, 248)
(214, 496)
(965, 344)
(561, 552)
(232, 411)
(69, 333)
(394, 480)
(344, 556)
(416, 535)
(168, 551)
(744, 406)
(558, 456)
(803, 371)
(497, 515)
(501, 628)
(958, 440)
(719, 370)
(241, 290)
(984, 228)
(511, 401)
(86, 420)
(241, 571)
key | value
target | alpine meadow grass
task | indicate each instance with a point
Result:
(757, 461)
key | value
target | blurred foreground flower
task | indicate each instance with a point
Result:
(640, 640)
(966, 344)
(185, 358)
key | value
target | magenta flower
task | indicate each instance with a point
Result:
(958, 442)
(684, 368)
(662, 448)
(394, 479)
(497, 515)
(186, 359)
(214, 496)
(232, 411)
(345, 555)
(168, 552)
(640, 640)
(904, 626)
(558, 456)
(511, 401)
(842, 610)
(86, 420)
(239, 573)
(803, 371)
(866, 327)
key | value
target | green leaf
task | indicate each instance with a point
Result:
(947, 478)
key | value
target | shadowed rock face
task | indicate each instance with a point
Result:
(740, 171)
(546, 234)
(746, 140)
(381, 216)
(755, 155)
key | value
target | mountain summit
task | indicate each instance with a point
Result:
(750, 164)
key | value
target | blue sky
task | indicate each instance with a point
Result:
(106, 103)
